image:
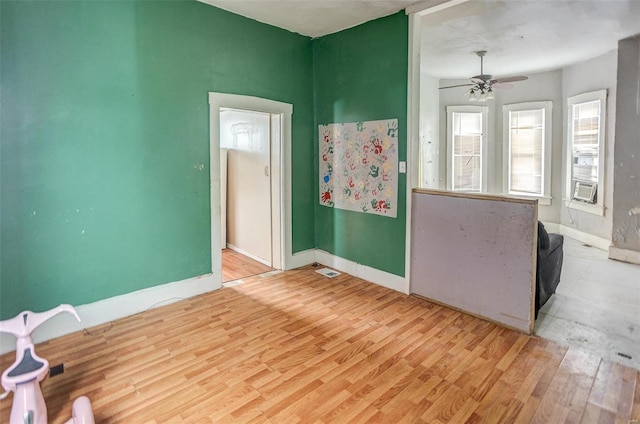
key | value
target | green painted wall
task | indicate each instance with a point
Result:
(104, 132)
(361, 75)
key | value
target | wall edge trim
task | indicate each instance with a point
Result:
(116, 307)
(121, 306)
(624, 255)
(583, 237)
(373, 275)
(302, 258)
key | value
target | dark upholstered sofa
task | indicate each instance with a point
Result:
(550, 257)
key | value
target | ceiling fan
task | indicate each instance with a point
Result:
(482, 85)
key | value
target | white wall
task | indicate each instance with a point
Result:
(594, 74)
(429, 133)
(543, 86)
(626, 198)
(223, 197)
(248, 182)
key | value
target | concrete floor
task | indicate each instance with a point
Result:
(596, 306)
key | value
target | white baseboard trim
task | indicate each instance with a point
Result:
(306, 257)
(248, 255)
(586, 238)
(551, 227)
(624, 255)
(121, 306)
(373, 275)
(116, 307)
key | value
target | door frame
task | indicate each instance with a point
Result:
(280, 165)
(266, 212)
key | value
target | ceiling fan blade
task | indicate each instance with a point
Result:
(481, 79)
(508, 79)
(501, 85)
(459, 85)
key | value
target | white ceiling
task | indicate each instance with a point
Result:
(313, 18)
(521, 36)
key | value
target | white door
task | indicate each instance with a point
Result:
(247, 137)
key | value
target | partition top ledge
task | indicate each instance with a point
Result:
(481, 196)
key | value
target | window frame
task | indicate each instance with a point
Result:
(547, 146)
(596, 208)
(484, 162)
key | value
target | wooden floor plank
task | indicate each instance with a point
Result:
(635, 409)
(236, 265)
(299, 347)
(567, 395)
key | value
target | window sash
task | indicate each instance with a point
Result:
(526, 151)
(467, 142)
(585, 161)
(585, 140)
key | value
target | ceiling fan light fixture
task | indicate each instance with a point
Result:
(482, 84)
(490, 95)
(481, 94)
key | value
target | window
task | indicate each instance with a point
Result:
(527, 159)
(466, 143)
(585, 147)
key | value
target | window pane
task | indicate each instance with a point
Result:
(467, 150)
(467, 173)
(468, 123)
(586, 122)
(585, 142)
(467, 145)
(526, 141)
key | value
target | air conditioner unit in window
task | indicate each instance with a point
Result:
(585, 191)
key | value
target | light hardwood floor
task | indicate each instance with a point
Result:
(236, 265)
(300, 347)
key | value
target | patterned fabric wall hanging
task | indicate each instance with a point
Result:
(359, 166)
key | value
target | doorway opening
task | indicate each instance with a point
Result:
(250, 142)
(248, 186)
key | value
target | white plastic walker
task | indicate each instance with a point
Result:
(24, 376)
